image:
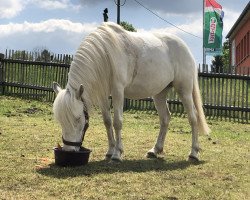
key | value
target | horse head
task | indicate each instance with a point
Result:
(70, 111)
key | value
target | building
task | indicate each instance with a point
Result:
(240, 42)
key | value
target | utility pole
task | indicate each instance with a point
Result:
(118, 11)
(203, 29)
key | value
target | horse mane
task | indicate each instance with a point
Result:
(93, 64)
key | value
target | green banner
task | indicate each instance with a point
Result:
(213, 31)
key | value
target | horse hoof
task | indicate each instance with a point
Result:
(192, 158)
(108, 156)
(115, 160)
(151, 155)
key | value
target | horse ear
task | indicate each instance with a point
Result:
(56, 87)
(79, 92)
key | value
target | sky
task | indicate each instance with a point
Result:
(61, 25)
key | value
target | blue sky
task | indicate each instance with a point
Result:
(60, 25)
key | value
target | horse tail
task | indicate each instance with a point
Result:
(202, 123)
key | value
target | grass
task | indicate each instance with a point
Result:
(28, 133)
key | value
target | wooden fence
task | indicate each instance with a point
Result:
(27, 75)
(225, 94)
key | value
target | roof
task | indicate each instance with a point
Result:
(241, 17)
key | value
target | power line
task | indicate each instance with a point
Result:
(166, 20)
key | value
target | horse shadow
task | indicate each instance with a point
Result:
(103, 166)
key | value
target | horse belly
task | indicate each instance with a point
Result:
(148, 81)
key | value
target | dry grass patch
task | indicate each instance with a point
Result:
(28, 134)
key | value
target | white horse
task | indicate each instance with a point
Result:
(113, 61)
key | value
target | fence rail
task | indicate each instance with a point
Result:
(27, 75)
(226, 95)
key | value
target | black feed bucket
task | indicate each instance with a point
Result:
(71, 158)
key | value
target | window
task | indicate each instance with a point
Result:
(245, 47)
(241, 50)
(237, 54)
(233, 54)
(248, 44)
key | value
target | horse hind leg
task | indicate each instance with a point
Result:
(164, 116)
(188, 103)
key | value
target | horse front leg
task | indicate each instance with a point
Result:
(118, 99)
(109, 128)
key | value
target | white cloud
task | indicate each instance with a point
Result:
(59, 36)
(194, 27)
(10, 8)
(47, 26)
(229, 20)
(55, 4)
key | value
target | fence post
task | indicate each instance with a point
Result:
(1, 74)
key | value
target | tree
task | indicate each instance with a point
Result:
(42, 54)
(45, 55)
(127, 26)
(21, 54)
(217, 64)
(222, 63)
(225, 57)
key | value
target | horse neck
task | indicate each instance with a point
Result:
(96, 86)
